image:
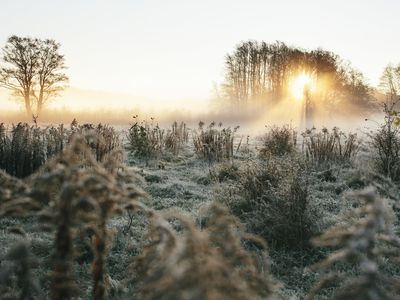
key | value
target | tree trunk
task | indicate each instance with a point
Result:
(40, 103)
(28, 106)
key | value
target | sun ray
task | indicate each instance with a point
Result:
(299, 85)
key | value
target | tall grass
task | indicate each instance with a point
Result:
(74, 191)
(83, 186)
(324, 147)
(25, 148)
(176, 137)
(148, 140)
(214, 143)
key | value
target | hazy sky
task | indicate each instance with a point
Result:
(174, 49)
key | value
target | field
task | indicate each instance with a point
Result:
(199, 150)
(198, 213)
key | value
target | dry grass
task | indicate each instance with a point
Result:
(148, 140)
(19, 263)
(77, 196)
(25, 148)
(176, 137)
(271, 198)
(365, 240)
(210, 263)
(279, 141)
(326, 146)
(75, 193)
(214, 143)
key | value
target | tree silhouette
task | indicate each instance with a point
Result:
(390, 82)
(32, 70)
(261, 73)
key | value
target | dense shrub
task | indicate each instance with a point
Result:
(224, 172)
(25, 148)
(102, 139)
(271, 198)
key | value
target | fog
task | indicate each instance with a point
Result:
(96, 107)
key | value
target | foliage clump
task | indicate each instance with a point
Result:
(176, 137)
(325, 147)
(147, 140)
(271, 197)
(364, 240)
(105, 140)
(25, 148)
(214, 143)
(201, 264)
(76, 193)
(279, 141)
(386, 143)
(16, 278)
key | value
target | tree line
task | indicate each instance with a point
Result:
(255, 72)
(262, 72)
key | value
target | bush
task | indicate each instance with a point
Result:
(386, 144)
(225, 171)
(271, 198)
(279, 141)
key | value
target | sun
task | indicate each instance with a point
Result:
(299, 85)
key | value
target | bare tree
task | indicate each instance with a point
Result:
(390, 82)
(32, 71)
(21, 58)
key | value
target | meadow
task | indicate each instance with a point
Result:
(199, 150)
(203, 212)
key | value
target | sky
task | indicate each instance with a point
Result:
(165, 50)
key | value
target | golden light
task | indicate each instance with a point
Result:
(299, 85)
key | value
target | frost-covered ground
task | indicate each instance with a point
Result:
(187, 183)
